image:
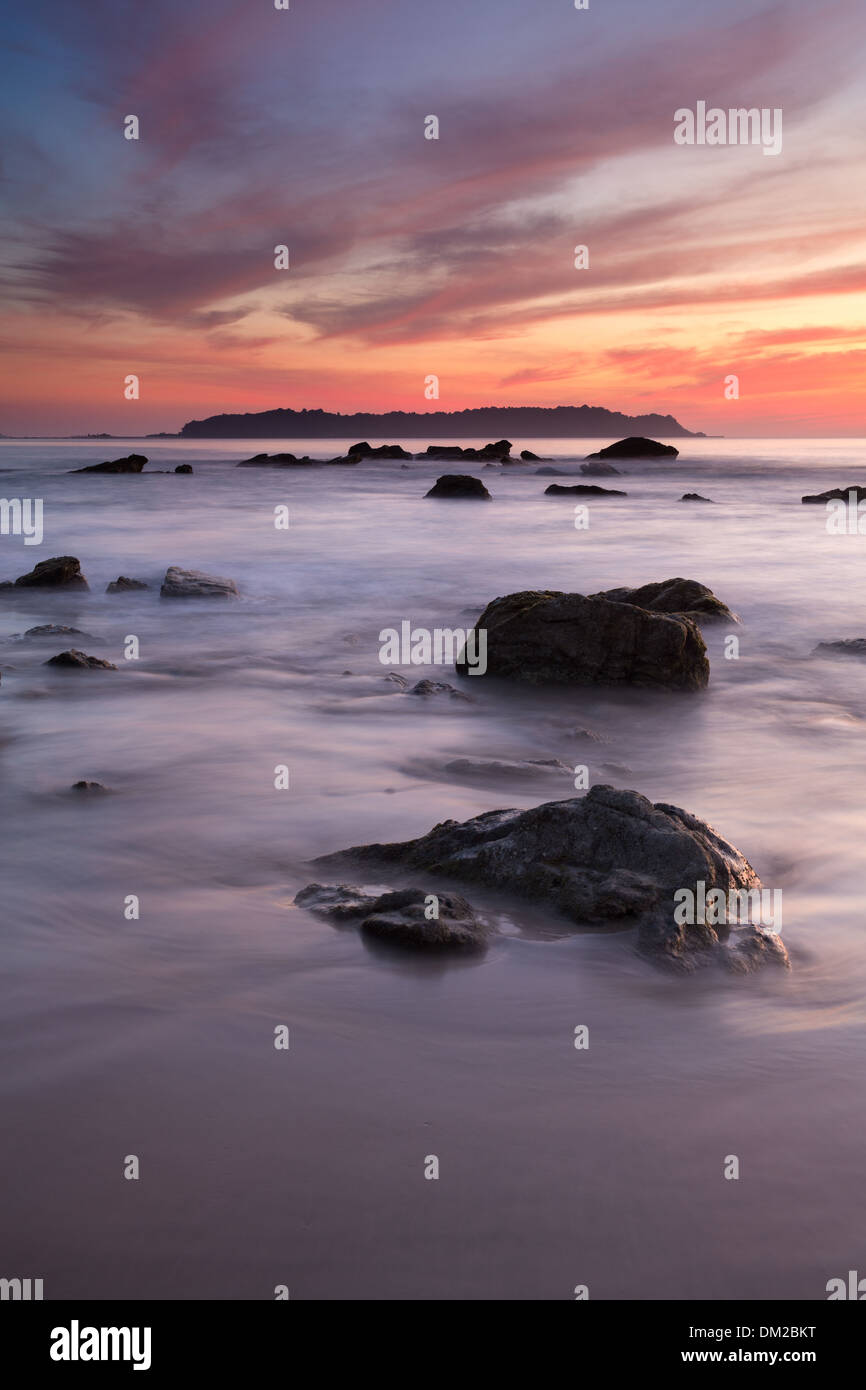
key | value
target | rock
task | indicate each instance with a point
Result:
(849, 646)
(426, 687)
(839, 494)
(553, 473)
(180, 583)
(122, 585)
(183, 468)
(499, 452)
(281, 461)
(551, 637)
(608, 860)
(88, 787)
(599, 470)
(60, 572)
(582, 490)
(452, 485)
(636, 447)
(55, 630)
(685, 598)
(384, 451)
(529, 457)
(80, 661)
(399, 917)
(133, 463)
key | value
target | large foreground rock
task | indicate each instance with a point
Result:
(60, 572)
(452, 485)
(610, 859)
(683, 597)
(636, 447)
(556, 638)
(180, 583)
(133, 463)
(400, 917)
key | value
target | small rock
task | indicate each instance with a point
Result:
(400, 917)
(180, 583)
(384, 451)
(599, 470)
(695, 497)
(636, 447)
(55, 630)
(88, 787)
(848, 646)
(582, 490)
(122, 585)
(529, 457)
(183, 468)
(427, 687)
(80, 661)
(459, 485)
(839, 494)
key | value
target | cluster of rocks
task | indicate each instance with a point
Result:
(611, 860)
(132, 463)
(838, 494)
(64, 572)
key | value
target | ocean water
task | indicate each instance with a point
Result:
(155, 1037)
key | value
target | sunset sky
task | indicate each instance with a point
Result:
(412, 257)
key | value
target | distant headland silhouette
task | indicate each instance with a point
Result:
(490, 422)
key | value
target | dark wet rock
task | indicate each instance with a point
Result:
(122, 584)
(838, 494)
(183, 468)
(384, 451)
(459, 485)
(599, 470)
(55, 630)
(80, 661)
(400, 917)
(695, 497)
(133, 463)
(88, 788)
(427, 687)
(60, 572)
(609, 860)
(556, 638)
(554, 473)
(848, 646)
(685, 598)
(529, 457)
(180, 583)
(636, 447)
(582, 490)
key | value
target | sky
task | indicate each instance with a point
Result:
(412, 257)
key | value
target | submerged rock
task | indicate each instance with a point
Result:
(838, 494)
(133, 463)
(682, 597)
(180, 583)
(848, 646)
(427, 687)
(122, 584)
(636, 447)
(280, 461)
(694, 497)
(183, 468)
(80, 661)
(459, 485)
(88, 787)
(401, 917)
(60, 572)
(609, 860)
(582, 490)
(599, 470)
(55, 630)
(556, 638)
